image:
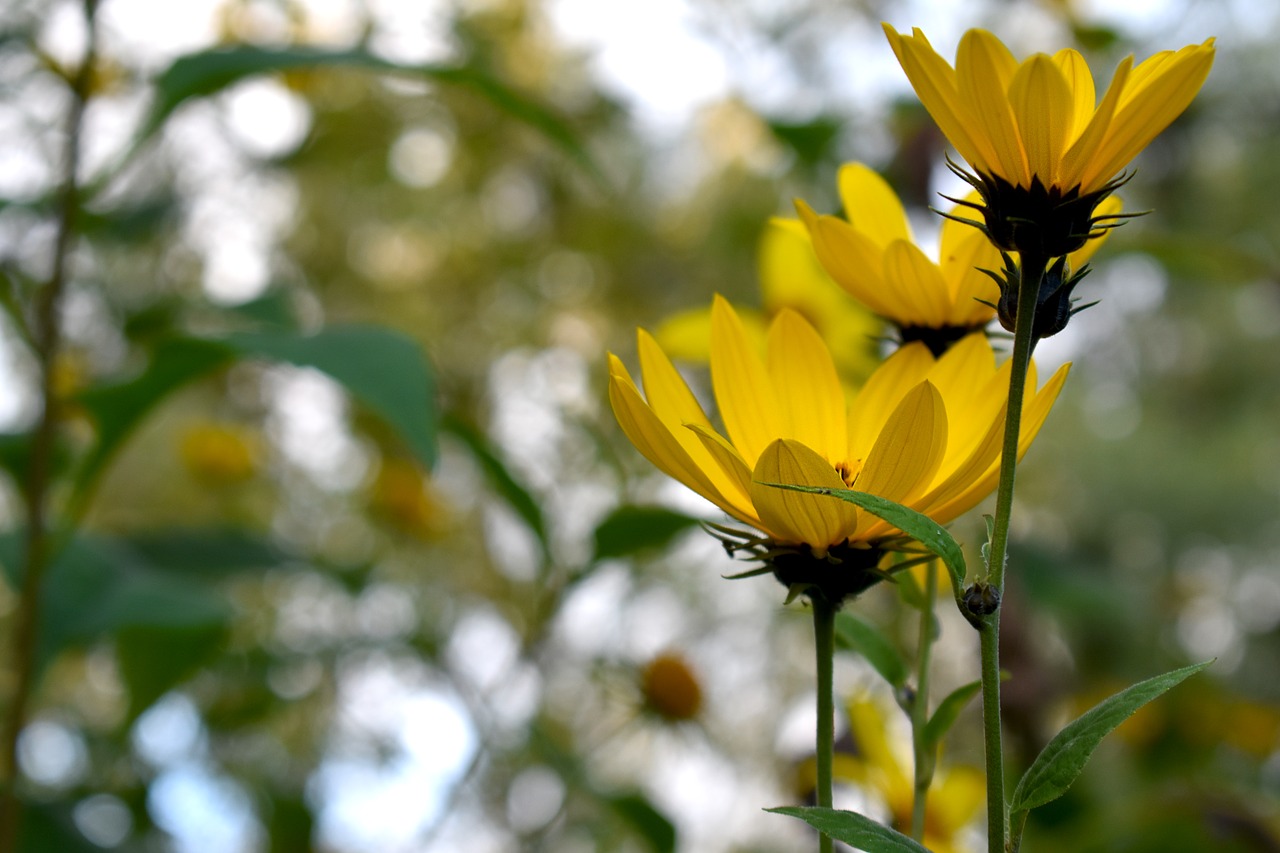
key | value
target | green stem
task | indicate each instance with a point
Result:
(47, 338)
(824, 643)
(924, 755)
(1032, 274)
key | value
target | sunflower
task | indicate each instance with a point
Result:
(923, 431)
(872, 255)
(1045, 151)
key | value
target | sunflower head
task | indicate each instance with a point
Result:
(1044, 150)
(924, 432)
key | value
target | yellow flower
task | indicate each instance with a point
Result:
(873, 256)
(220, 454)
(790, 277)
(406, 499)
(1045, 150)
(955, 797)
(923, 431)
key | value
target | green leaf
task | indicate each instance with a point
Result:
(500, 479)
(944, 717)
(383, 369)
(864, 638)
(208, 554)
(852, 828)
(919, 527)
(629, 529)
(153, 659)
(1064, 757)
(652, 825)
(210, 71)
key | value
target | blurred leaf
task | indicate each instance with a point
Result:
(652, 825)
(206, 553)
(272, 310)
(944, 717)
(1065, 756)
(813, 141)
(383, 369)
(134, 222)
(500, 479)
(50, 828)
(208, 72)
(852, 828)
(118, 409)
(865, 639)
(290, 825)
(629, 529)
(97, 586)
(153, 659)
(919, 527)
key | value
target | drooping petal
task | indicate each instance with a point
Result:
(871, 205)
(731, 466)
(674, 404)
(984, 72)
(935, 83)
(743, 390)
(1080, 155)
(1043, 106)
(807, 387)
(652, 437)
(909, 449)
(799, 517)
(877, 400)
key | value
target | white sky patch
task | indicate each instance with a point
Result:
(152, 33)
(649, 53)
(266, 118)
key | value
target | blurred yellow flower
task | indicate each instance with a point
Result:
(923, 431)
(955, 798)
(404, 498)
(790, 277)
(871, 254)
(670, 688)
(1038, 119)
(219, 454)
(1045, 150)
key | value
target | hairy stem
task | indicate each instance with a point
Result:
(824, 621)
(924, 755)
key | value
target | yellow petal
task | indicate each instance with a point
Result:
(652, 438)
(877, 400)
(1080, 155)
(984, 71)
(798, 517)
(674, 404)
(1080, 80)
(920, 294)
(909, 448)
(871, 205)
(963, 377)
(744, 392)
(1043, 105)
(935, 84)
(732, 467)
(1153, 107)
(848, 256)
(807, 387)
(869, 730)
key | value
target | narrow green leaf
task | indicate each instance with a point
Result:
(206, 553)
(649, 823)
(944, 717)
(919, 527)
(1064, 757)
(383, 369)
(500, 478)
(852, 828)
(154, 660)
(629, 529)
(866, 639)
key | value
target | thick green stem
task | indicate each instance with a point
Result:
(47, 338)
(1032, 274)
(924, 754)
(824, 643)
